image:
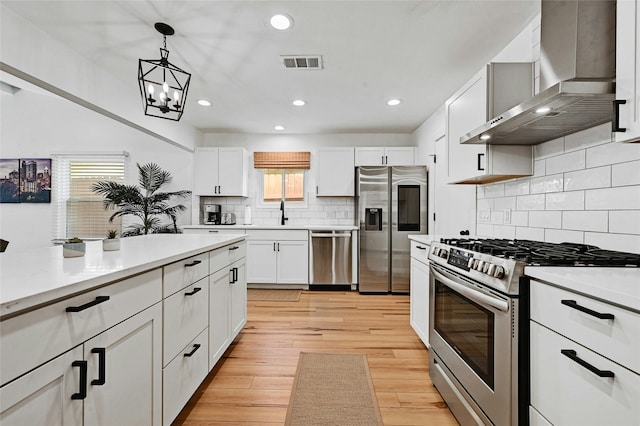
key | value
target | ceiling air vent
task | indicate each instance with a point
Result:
(307, 62)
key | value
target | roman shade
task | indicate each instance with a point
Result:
(282, 160)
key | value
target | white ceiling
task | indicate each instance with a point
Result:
(419, 51)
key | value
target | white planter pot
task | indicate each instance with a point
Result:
(111, 244)
(73, 249)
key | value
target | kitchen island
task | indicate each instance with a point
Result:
(117, 337)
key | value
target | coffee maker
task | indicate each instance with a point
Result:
(211, 214)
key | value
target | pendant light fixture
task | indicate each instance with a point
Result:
(163, 86)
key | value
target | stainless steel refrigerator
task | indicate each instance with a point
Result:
(391, 203)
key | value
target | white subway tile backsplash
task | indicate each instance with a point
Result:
(563, 236)
(596, 221)
(530, 202)
(625, 174)
(497, 217)
(516, 187)
(504, 203)
(546, 184)
(624, 222)
(565, 200)
(485, 204)
(612, 153)
(534, 234)
(619, 198)
(548, 149)
(545, 219)
(494, 190)
(594, 136)
(618, 242)
(600, 177)
(503, 231)
(566, 162)
(519, 218)
(539, 168)
(484, 230)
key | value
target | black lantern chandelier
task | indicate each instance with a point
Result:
(163, 86)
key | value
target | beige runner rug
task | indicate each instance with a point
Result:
(333, 389)
(258, 294)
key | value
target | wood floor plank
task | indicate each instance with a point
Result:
(251, 385)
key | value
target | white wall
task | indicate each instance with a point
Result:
(37, 126)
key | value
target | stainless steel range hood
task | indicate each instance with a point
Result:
(577, 71)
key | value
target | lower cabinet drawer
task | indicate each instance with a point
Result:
(179, 274)
(223, 256)
(419, 251)
(183, 375)
(28, 340)
(185, 314)
(567, 392)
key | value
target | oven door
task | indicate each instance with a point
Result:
(471, 333)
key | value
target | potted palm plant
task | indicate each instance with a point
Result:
(112, 242)
(146, 202)
(73, 247)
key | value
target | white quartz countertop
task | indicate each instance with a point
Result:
(319, 227)
(39, 276)
(618, 285)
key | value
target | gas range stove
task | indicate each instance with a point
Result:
(499, 263)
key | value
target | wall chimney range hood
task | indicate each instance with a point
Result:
(577, 72)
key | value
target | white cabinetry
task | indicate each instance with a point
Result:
(385, 156)
(112, 378)
(220, 171)
(419, 291)
(335, 175)
(585, 364)
(473, 105)
(278, 257)
(628, 69)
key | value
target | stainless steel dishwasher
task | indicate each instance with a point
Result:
(330, 260)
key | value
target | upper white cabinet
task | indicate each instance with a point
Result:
(385, 156)
(628, 71)
(335, 175)
(221, 171)
(483, 97)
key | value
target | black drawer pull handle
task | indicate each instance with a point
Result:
(102, 369)
(421, 248)
(194, 263)
(83, 380)
(97, 301)
(195, 348)
(571, 354)
(573, 304)
(480, 158)
(235, 275)
(233, 248)
(195, 290)
(615, 123)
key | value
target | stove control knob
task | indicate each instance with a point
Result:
(491, 269)
(485, 267)
(443, 253)
(479, 265)
(472, 263)
(434, 250)
(499, 272)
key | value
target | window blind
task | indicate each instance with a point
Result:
(282, 160)
(79, 212)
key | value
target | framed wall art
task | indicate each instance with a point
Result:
(25, 180)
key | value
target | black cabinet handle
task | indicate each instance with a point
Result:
(274, 246)
(615, 123)
(195, 290)
(193, 351)
(194, 263)
(102, 368)
(82, 385)
(233, 248)
(97, 301)
(421, 248)
(571, 354)
(480, 155)
(235, 275)
(573, 304)
(231, 281)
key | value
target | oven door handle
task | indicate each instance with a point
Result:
(476, 296)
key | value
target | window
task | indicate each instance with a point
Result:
(283, 184)
(80, 212)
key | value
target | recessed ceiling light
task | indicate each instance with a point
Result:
(485, 137)
(278, 128)
(204, 102)
(281, 22)
(543, 110)
(299, 102)
(394, 102)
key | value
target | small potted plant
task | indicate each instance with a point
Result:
(73, 247)
(112, 242)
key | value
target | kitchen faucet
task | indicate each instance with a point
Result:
(282, 218)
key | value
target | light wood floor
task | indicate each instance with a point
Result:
(251, 385)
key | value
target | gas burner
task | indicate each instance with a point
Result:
(540, 253)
